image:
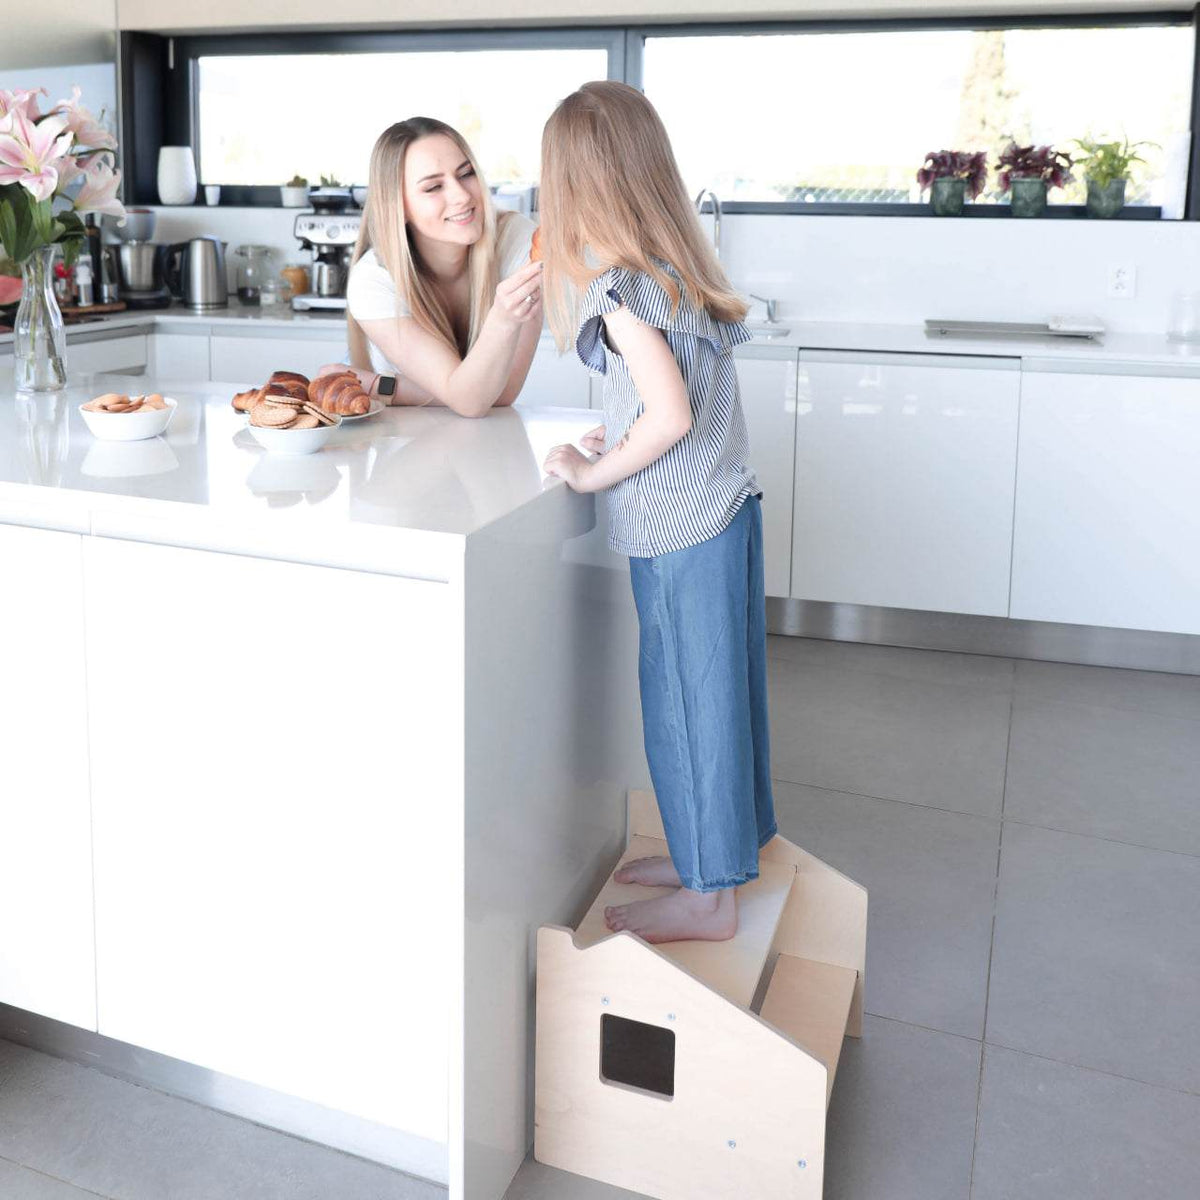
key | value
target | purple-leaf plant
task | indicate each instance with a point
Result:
(1034, 162)
(955, 164)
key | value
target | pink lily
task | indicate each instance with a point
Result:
(87, 130)
(99, 191)
(70, 168)
(23, 100)
(28, 152)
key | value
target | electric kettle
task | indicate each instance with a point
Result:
(196, 273)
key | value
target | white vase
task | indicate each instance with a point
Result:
(176, 175)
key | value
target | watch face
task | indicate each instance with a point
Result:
(387, 385)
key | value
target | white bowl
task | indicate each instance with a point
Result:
(292, 441)
(128, 427)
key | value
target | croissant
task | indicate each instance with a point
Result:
(340, 395)
(245, 401)
(288, 387)
(288, 377)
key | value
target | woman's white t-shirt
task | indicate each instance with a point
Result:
(371, 293)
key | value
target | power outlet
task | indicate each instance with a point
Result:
(1122, 281)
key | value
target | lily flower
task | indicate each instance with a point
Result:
(69, 168)
(22, 99)
(99, 191)
(28, 152)
(87, 130)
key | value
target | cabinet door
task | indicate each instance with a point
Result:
(274, 799)
(904, 481)
(555, 381)
(115, 356)
(251, 360)
(178, 356)
(1108, 502)
(47, 952)
(767, 381)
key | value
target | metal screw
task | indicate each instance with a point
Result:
(732, 1144)
(802, 1163)
(603, 999)
(670, 1016)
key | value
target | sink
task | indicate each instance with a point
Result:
(768, 329)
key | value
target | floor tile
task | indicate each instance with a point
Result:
(931, 877)
(132, 1143)
(1109, 772)
(902, 1120)
(1096, 955)
(20, 1183)
(927, 666)
(937, 744)
(535, 1181)
(1111, 687)
(1048, 1131)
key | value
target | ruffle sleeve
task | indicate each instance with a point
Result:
(653, 305)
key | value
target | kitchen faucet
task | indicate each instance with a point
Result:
(716, 206)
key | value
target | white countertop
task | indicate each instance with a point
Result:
(1152, 350)
(397, 493)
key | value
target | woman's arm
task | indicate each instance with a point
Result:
(666, 414)
(470, 386)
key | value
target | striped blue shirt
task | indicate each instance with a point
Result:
(694, 490)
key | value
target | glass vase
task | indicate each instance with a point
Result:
(1105, 201)
(947, 197)
(1028, 197)
(39, 346)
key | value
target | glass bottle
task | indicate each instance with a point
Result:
(39, 346)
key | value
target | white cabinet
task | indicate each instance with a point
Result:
(1108, 501)
(269, 848)
(181, 357)
(904, 480)
(116, 356)
(554, 380)
(252, 360)
(47, 953)
(767, 382)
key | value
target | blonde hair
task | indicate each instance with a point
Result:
(611, 191)
(384, 229)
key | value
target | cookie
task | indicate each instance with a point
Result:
(323, 418)
(305, 421)
(272, 416)
(285, 401)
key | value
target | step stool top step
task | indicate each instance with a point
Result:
(810, 1002)
(731, 968)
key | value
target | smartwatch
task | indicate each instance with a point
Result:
(385, 385)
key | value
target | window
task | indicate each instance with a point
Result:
(849, 115)
(498, 99)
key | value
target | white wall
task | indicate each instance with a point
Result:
(891, 270)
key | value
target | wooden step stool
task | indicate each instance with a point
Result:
(700, 1070)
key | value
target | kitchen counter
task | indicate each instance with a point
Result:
(298, 754)
(1151, 350)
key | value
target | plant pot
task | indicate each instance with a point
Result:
(1105, 201)
(947, 197)
(293, 197)
(1028, 197)
(39, 346)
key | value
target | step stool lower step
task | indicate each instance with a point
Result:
(731, 968)
(810, 1003)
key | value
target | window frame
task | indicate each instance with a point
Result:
(166, 67)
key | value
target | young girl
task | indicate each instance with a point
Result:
(440, 282)
(632, 279)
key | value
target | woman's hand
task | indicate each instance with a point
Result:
(519, 297)
(569, 465)
(593, 440)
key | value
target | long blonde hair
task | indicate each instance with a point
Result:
(384, 229)
(611, 192)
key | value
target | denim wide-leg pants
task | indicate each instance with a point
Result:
(702, 668)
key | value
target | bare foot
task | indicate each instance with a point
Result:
(681, 916)
(657, 871)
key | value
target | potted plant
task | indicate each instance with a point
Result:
(1029, 172)
(951, 177)
(54, 166)
(1106, 169)
(294, 193)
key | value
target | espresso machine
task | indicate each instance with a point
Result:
(330, 236)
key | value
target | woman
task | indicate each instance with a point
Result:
(441, 293)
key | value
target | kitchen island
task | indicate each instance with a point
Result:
(298, 753)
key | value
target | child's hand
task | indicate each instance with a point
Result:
(593, 440)
(569, 465)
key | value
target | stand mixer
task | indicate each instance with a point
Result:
(330, 236)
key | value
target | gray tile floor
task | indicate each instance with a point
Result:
(1030, 835)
